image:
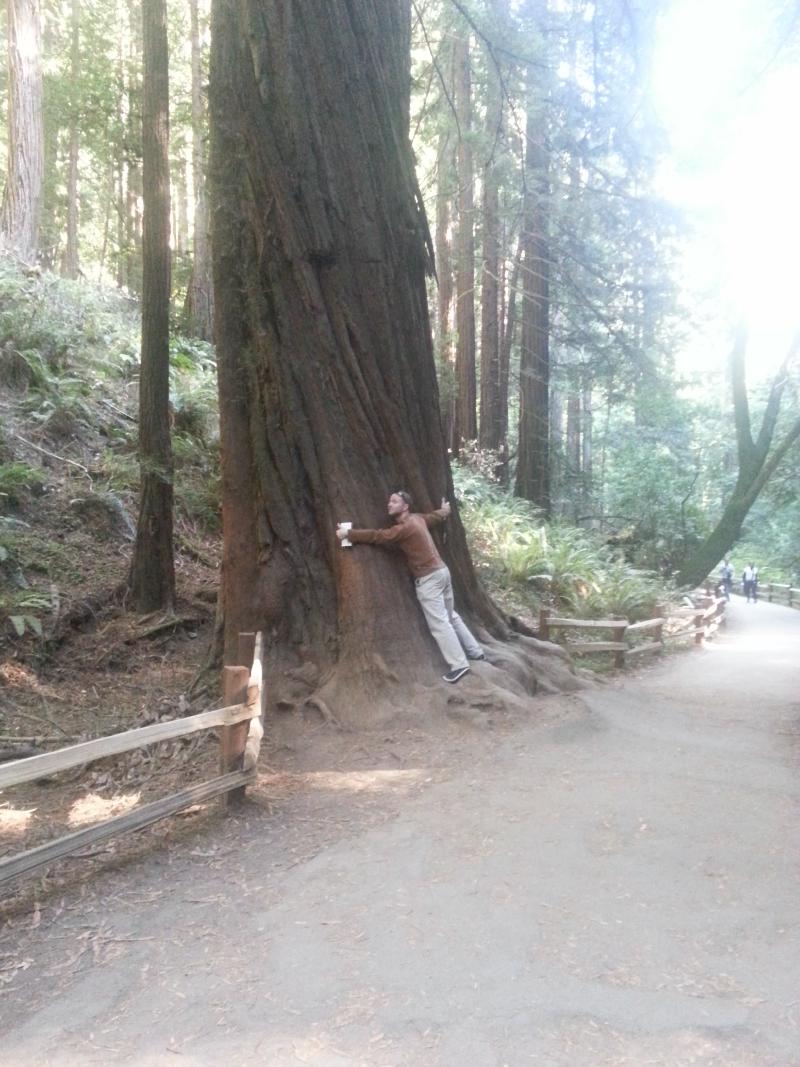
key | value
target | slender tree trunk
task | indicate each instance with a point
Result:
(509, 332)
(180, 212)
(759, 457)
(572, 465)
(134, 149)
(328, 392)
(491, 420)
(587, 415)
(22, 196)
(120, 166)
(200, 295)
(152, 575)
(556, 450)
(444, 274)
(533, 460)
(70, 264)
(466, 425)
(109, 208)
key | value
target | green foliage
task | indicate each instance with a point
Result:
(20, 606)
(193, 388)
(537, 563)
(197, 481)
(16, 481)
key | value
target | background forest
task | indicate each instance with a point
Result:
(598, 423)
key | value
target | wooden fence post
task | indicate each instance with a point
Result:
(544, 629)
(618, 634)
(233, 739)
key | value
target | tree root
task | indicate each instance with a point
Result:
(324, 710)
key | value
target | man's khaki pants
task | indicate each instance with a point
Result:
(435, 595)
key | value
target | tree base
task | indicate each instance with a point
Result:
(359, 694)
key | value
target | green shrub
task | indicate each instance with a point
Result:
(17, 480)
(529, 562)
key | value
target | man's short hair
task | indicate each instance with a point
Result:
(405, 496)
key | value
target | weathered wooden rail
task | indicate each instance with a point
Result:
(698, 622)
(776, 593)
(239, 722)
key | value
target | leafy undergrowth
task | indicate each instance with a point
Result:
(528, 563)
(73, 663)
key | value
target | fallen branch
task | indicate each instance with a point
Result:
(52, 455)
(173, 622)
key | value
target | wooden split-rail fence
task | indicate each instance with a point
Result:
(699, 622)
(240, 733)
(776, 593)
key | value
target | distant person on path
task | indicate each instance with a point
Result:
(726, 578)
(432, 581)
(750, 583)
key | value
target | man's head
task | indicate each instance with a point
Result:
(399, 504)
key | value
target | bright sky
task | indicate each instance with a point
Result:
(730, 106)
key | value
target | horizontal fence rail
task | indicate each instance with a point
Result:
(780, 594)
(240, 739)
(28, 770)
(699, 622)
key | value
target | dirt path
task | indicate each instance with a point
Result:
(612, 884)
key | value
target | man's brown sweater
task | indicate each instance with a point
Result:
(411, 536)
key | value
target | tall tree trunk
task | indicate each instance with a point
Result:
(491, 420)
(556, 450)
(22, 196)
(152, 575)
(533, 456)
(572, 457)
(758, 459)
(180, 206)
(328, 392)
(70, 265)
(445, 327)
(466, 425)
(133, 156)
(509, 332)
(200, 294)
(587, 415)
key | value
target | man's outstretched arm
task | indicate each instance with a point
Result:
(433, 518)
(389, 536)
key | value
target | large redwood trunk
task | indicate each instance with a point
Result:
(328, 393)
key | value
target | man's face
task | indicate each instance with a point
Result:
(396, 505)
